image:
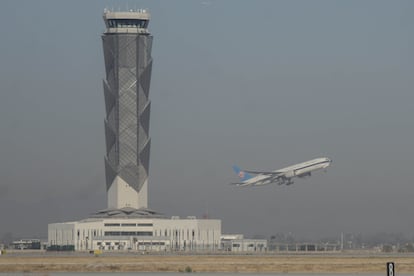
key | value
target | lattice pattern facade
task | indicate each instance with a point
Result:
(128, 65)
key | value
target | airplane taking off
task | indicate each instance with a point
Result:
(282, 176)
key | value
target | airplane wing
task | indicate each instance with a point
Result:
(265, 173)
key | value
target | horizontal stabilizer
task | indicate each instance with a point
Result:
(241, 184)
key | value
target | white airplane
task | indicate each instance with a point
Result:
(282, 176)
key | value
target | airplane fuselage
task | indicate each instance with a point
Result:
(305, 167)
(283, 176)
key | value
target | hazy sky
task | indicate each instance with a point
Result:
(262, 84)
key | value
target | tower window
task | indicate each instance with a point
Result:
(127, 23)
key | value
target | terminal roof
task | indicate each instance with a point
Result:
(127, 212)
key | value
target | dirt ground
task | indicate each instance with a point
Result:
(208, 263)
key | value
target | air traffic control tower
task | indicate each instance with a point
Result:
(128, 223)
(127, 51)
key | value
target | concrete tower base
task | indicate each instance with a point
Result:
(121, 194)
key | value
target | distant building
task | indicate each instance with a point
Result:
(26, 244)
(237, 243)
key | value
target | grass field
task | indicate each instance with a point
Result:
(207, 263)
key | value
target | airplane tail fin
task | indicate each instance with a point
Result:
(242, 174)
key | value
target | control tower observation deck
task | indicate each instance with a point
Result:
(127, 47)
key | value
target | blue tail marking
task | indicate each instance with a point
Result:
(242, 174)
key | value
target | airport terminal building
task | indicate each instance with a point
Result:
(129, 230)
(128, 223)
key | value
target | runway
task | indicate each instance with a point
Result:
(279, 264)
